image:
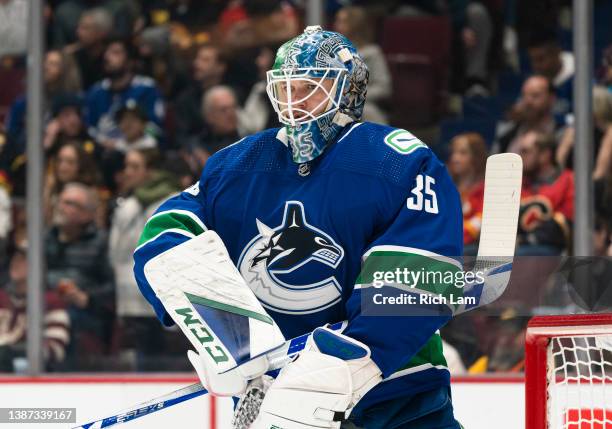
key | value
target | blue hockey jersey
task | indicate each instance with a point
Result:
(102, 104)
(299, 235)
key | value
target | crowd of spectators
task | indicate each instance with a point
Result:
(138, 95)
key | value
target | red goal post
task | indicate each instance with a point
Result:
(568, 372)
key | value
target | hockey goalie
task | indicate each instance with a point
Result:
(270, 243)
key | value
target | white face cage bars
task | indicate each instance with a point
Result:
(284, 85)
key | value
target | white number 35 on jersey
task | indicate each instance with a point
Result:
(423, 194)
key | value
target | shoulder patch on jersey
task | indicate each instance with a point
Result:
(403, 142)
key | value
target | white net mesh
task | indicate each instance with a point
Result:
(580, 382)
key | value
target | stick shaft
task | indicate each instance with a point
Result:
(278, 358)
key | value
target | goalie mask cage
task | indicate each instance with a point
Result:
(568, 372)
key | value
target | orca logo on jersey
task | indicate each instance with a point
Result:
(291, 268)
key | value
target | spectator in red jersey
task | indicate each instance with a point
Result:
(547, 198)
(13, 319)
(467, 167)
(249, 23)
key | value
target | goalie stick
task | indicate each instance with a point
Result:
(278, 358)
(501, 203)
(495, 254)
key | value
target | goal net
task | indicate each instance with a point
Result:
(568, 372)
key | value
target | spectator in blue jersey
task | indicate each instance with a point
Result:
(132, 120)
(78, 267)
(108, 96)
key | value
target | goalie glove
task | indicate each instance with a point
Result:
(320, 388)
(230, 383)
(208, 299)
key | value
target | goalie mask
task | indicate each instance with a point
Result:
(317, 86)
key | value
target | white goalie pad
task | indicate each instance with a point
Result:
(208, 299)
(309, 393)
(320, 388)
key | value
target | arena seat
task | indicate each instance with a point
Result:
(414, 97)
(449, 128)
(12, 84)
(418, 53)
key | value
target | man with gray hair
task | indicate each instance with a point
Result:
(220, 114)
(94, 27)
(220, 110)
(67, 13)
(79, 269)
(13, 27)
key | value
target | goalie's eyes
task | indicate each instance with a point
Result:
(308, 87)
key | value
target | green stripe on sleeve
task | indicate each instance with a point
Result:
(170, 220)
(430, 353)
